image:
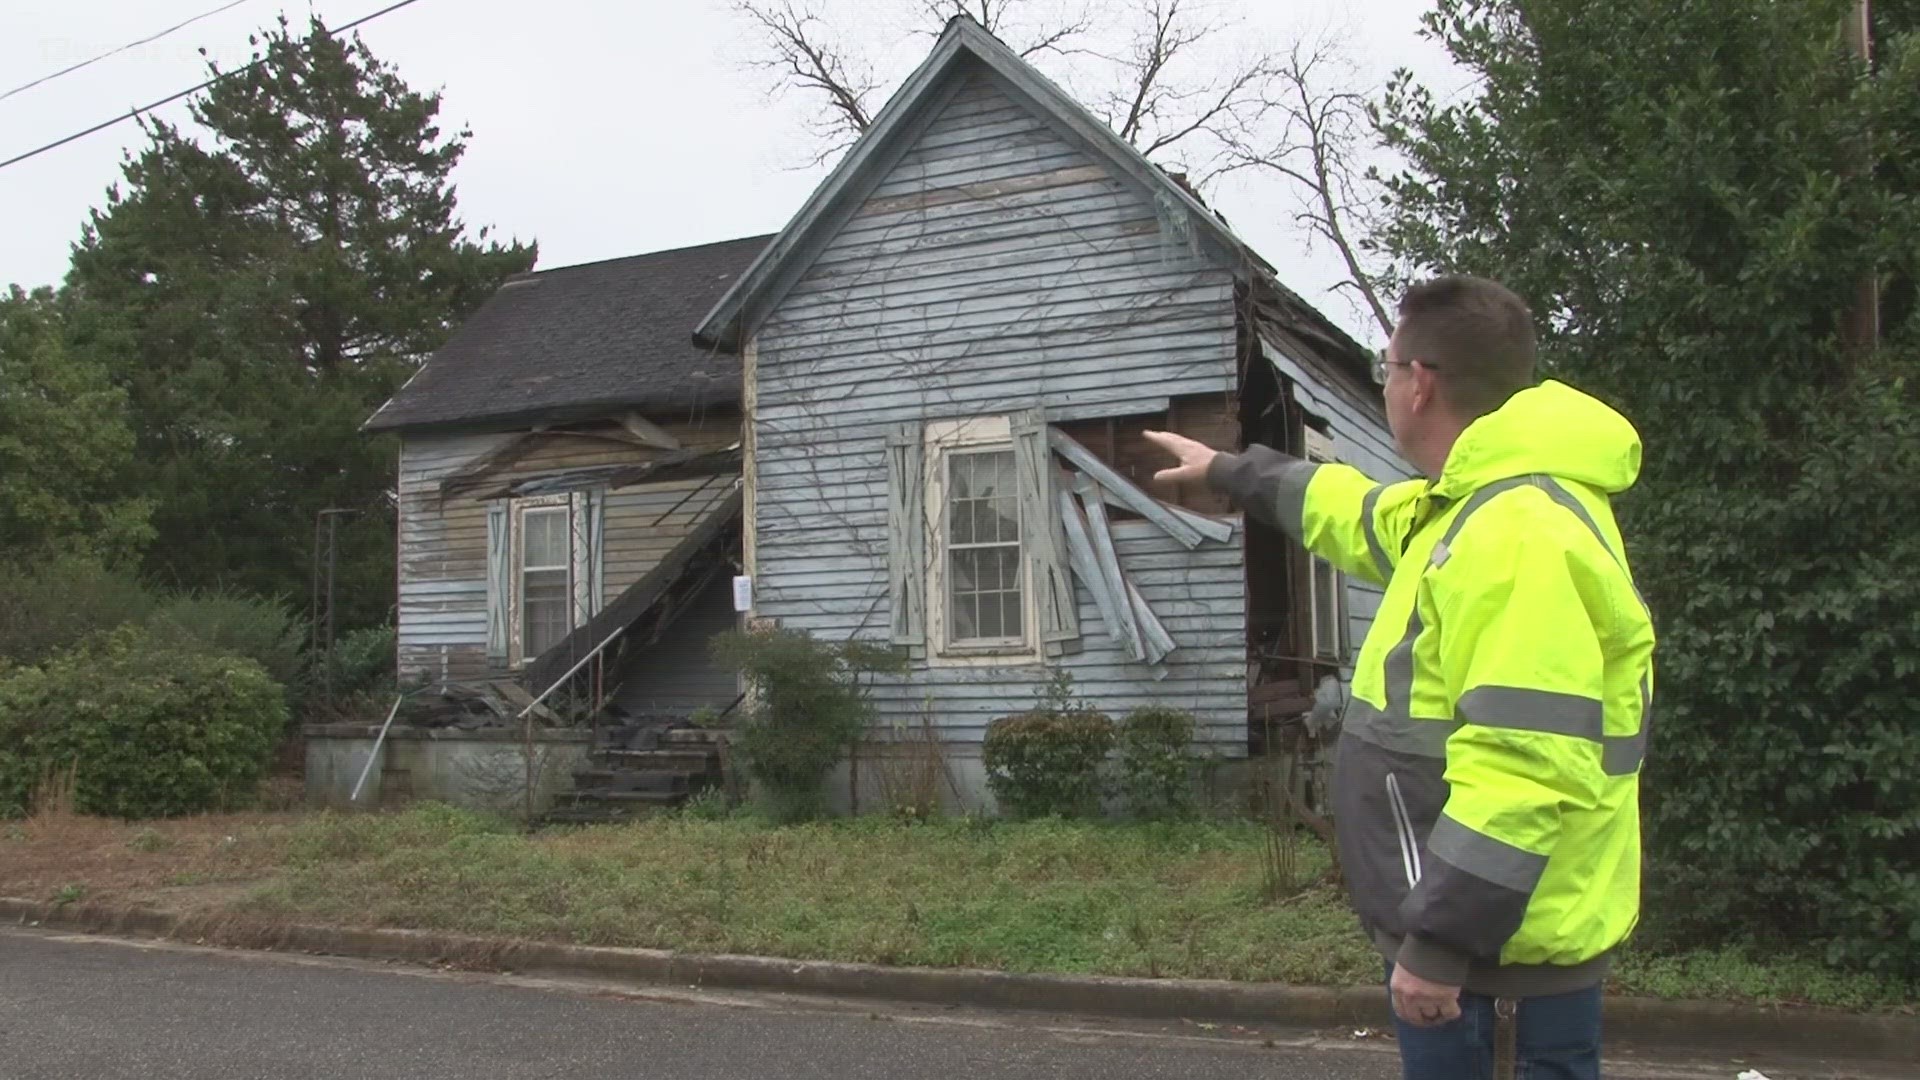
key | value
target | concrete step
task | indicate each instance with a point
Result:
(682, 737)
(636, 779)
(680, 758)
(615, 796)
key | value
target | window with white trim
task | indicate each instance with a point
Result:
(981, 600)
(986, 597)
(1327, 586)
(543, 569)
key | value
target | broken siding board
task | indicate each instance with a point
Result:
(1107, 561)
(1087, 567)
(1153, 633)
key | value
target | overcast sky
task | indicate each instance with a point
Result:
(601, 128)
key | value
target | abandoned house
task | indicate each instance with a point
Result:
(950, 354)
(913, 416)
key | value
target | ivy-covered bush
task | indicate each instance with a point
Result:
(146, 730)
(806, 708)
(1047, 761)
(1154, 767)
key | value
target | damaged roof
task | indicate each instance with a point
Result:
(578, 340)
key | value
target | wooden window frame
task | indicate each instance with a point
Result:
(516, 609)
(944, 439)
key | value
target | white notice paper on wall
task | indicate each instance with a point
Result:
(743, 594)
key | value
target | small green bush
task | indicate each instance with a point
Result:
(147, 730)
(1047, 761)
(363, 661)
(1154, 775)
(807, 708)
(234, 624)
(50, 607)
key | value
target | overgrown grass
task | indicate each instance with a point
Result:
(1176, 900)
(1169, 900)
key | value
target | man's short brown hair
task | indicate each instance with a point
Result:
(1477, 334)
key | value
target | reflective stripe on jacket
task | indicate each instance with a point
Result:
(1486, 789)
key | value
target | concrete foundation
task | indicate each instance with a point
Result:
(486, 769)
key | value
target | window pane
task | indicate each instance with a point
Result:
(966, 617)
(544, 538)
(1013, 614)
(544, 605)
(960, 522)
(966, 573)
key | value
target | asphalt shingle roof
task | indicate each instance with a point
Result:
(577, 340)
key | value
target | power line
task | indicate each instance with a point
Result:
(121, 49)
(169, 99)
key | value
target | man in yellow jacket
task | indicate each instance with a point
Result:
(1486, 788)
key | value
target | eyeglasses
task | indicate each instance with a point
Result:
(1381, 364)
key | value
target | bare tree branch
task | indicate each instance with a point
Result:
(1319, 138)
(1051, 32)
(808, 60)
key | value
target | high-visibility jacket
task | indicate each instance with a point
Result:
(1486, 789)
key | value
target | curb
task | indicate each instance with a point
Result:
(1630, 1021)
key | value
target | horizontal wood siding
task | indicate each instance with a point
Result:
(997, 266)
(442, 627)
(443, 546)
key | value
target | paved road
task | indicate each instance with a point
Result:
(87, 1007)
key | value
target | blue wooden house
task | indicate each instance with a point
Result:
(948, 356)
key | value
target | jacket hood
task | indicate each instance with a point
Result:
(1553, 429)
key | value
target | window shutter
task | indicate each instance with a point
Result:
(1042, 537)
(499, 581)
(906, 535)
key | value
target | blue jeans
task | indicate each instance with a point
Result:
(1558, 1039)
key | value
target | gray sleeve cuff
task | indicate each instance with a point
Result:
(1268, 484)
(1433, 961)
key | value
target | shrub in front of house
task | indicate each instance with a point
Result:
(807, 707)
(1153, 770)
(1047, 761)
(144, 728)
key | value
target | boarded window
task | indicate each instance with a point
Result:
(986, 598)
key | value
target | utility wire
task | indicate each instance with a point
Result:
(102, 126)
(121, 49)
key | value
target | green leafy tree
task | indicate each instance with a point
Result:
(1684, 193)
(65, 447)
(260, 293)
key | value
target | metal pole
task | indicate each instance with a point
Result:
(577, 665)
(377, 743)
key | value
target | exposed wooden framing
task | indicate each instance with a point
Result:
(1127, 494)
(669, 466)
(648, 432)
(1213, 528)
